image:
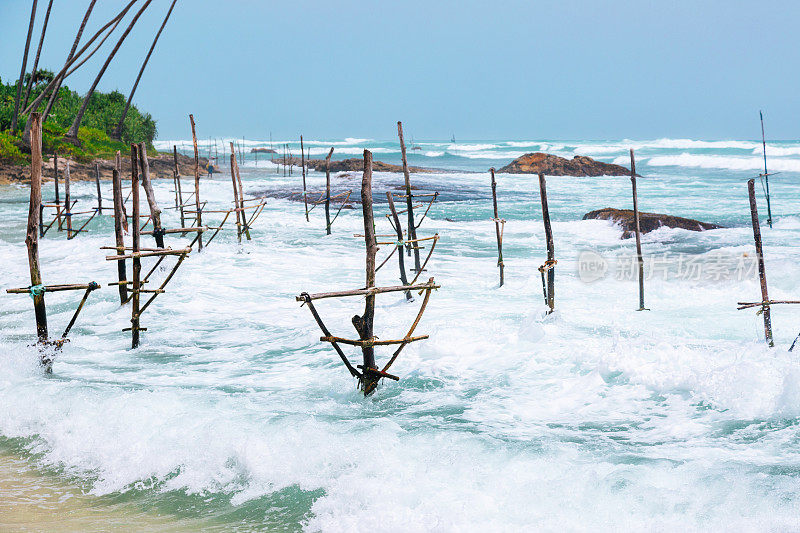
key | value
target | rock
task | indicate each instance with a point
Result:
(349, 165)
(647, 221)
(553, 165)
(262, 151)
(160, 167)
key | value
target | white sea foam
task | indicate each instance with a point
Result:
(725, 162)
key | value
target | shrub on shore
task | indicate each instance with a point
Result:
(98, 124)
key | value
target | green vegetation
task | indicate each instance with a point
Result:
(98, 124)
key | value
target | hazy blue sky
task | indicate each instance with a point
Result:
(503, 69)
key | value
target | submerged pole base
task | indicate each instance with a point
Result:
(369, 378)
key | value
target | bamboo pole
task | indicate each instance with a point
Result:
(137, 263)
(302, 156)
(399, 229)
(639, 258)
(549, 266)
(499, 233)
(412, 229)
(328, 191)
(32, 236)
(120, 239)
(155, 211)
(364, 323)
(199, 215)
(762, 274)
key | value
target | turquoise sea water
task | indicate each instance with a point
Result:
(232, 414)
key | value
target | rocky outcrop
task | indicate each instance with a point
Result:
(553, 165)
(262, 151)
(160, 167)
(349, 165)
(647, 221)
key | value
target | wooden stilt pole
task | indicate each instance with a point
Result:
(245, 225)
(32, 236)
(120, 239)
(137, 262)
(328, 191)
(364, 323)
(762, 274)
(412, 229)
(639, 258)
(67, 202)
(305, 193)
(498, 231)
(198, 207)
(548, 268)
(236, 205)
(399, 229)
(97, 183)
(155, 211)
(178, 192)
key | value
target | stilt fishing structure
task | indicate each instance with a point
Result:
(547, 270)
(37, 289)
(765, 176)
(324, 198)
(412, 229)
(135, 252)
(243, 223)
(499, 227)
(368, 373)
(639, 258)
(198, 208)
(765, 303)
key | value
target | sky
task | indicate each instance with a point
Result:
(507, 69)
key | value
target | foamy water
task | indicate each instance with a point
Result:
(232, 413)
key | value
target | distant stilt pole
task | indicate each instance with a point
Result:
(548, 269)
(766, 174)
(412, 229)
(305, 197)
(762, 275)
(399, 229)
(97, 183)
(497, 227)
(32, 236)
(199, 219)
(55, 183)
(119, 216)
(328, 191)
(67, 202)
(177, 176)
(639, 258)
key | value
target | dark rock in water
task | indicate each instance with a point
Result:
(553, 165)
(647, 221)
(263, 151)
(349, 165)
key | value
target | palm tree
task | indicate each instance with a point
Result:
(72, 134)
(118, 131)
(22, 70)
(32, 80)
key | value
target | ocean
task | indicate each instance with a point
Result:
(232, 415)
